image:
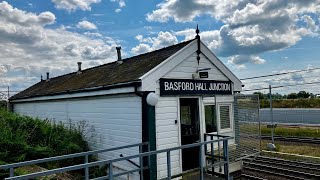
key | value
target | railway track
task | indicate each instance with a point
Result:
(294, 139)
(268, 168)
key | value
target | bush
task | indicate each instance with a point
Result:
(24, 138)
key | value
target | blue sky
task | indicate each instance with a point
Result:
(252, 37)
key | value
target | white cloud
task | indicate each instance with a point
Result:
(121, 4)
(91, 34)
(141, 48)
(28, 48)
(13, 15)
(73, 5)
(250, 27)
(242, 59)
(86, 25)
(163, 39)
(310, 23)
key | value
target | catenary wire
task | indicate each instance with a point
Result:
(277, 74)
(290, 85)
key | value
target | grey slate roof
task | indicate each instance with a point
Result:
(105, 75)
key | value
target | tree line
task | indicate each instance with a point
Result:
(299, 95)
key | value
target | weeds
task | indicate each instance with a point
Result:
(24, 138)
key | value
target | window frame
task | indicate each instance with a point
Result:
(225, 130)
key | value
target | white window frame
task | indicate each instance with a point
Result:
(230, 116)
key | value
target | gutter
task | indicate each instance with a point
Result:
(105, 87)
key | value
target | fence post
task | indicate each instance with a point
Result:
(201, 162)
(110, 172)
(271, 116)
(226, 159)
(168, 165)
(141, 162)
(11, 172)
(86, 170)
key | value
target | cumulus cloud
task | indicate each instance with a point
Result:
(163, 39)
(141, 48)
(121, 3)
(73, 5)
(249, 27)
(28, 48)
(242, 59)
(86, 25)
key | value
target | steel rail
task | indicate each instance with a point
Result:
(285, 170)
(275, 173)
(289, 161)
(295, 139)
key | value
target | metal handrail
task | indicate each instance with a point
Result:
(68, 156)
(140, 155)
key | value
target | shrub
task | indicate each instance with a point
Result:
(24, 138)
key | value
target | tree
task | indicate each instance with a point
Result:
(261, 95)
(303, 94)
(292, 96)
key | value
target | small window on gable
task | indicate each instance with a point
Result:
(225, 121)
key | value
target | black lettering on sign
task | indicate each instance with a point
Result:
(194, 87)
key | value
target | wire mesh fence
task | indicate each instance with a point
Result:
(291, 116)
(246, 126)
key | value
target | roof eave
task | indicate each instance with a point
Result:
(135, 83)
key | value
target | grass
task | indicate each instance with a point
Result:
(25, 138)
(291, 103)
(294, 148)
(299, 131)
(293, 131)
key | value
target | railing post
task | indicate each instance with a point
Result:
(110, 172)
(141, 162)
(86, 170)
(11, 172)
(226, 159)
(168, 165)
(149, 160)
(212, 154)
(201, 162)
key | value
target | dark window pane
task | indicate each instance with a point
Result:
(210, 116)
(225, 117)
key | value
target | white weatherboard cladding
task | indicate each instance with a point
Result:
(190, 66)
(167, 134)
(116, 120)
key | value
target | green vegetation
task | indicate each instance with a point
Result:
(291, 103)
(282, 130)
(302, 99)
(24, 138)
(297, 131)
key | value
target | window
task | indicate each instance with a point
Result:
(185, 115)
(225, 122)
(210, 118)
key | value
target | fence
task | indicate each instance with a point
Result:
(247, 126)
(291, 116)
(223, 160)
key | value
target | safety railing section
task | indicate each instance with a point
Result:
(85, 155)
(111, 175)
(214, 154)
